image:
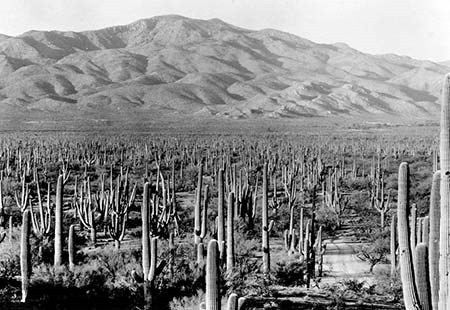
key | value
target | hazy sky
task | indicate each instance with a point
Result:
(417, 28)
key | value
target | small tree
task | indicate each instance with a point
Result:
(374, 253)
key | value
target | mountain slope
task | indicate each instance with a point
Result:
(172, 65)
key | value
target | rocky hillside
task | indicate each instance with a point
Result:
(172, 65)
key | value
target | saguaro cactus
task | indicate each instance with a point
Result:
(145, 231)
(198, 202)
(212, 294)
(413, 229)
(433, 249)
(171, 254)
(220, 215)
(393, 245)
(242, 303)
(445, 195)
(410, 295)
(204, 220)
(230, 232)
(119, 205)
(86, 211)
(320, 250)
(421, 276)
(201, 255)
(71, 247)
(265, 224)
(154, 270)
(232, 303)
(152, 273)
(25, 254)
(425, 230)
(59, 221)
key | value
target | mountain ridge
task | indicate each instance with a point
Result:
(173, 65)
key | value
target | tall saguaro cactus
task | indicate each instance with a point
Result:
(153, 271)
(410, 295)
(265, 223)
(421, 276)
(212, 294)
(445, 195)
(433, 249)
(220, 215)
(71, 247)
(145, 231)
(59, 221)
(230, 232)
(198, 202)
(25, 253)
(393, 246)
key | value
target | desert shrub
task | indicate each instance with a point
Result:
(247, 279)
(42, 250)
(349, 288)
(187, 302)
(10, 256)
(328, 219)
(359, 184)
(244, 246)
(99, 279)
(290, 273)
(357, 286)
(192, 302)
(187, 277)
(54, 285)
(390, 287)
(189, 181)
(117, 264)
(385, 289)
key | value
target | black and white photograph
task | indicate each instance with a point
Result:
(224, 155)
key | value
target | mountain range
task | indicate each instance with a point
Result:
(176, 66)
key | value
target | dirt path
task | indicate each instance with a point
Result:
(341, 263)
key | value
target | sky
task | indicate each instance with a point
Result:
(415, 28)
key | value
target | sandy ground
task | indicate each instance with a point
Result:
(341, 263)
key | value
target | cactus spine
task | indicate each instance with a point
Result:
(410, 295)
(433, 249)
(212, 294)
(25, 254)
(59, 222)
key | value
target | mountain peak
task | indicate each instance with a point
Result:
(173, 65)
